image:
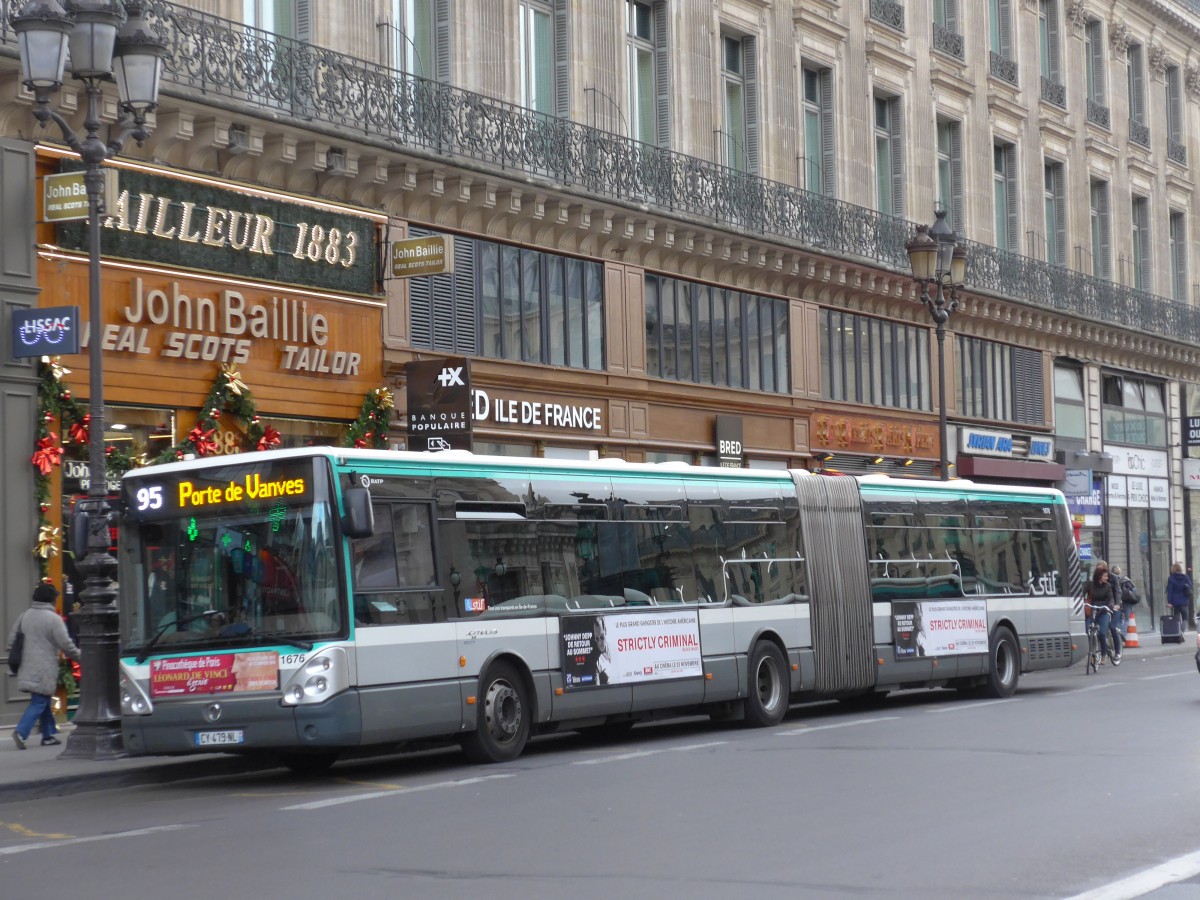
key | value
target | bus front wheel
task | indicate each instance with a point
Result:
(503, 724)
(767, 699)
(1004, 666)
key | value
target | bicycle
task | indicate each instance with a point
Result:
(1094, 657)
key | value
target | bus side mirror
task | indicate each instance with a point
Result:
(359, 520)
(79, 535)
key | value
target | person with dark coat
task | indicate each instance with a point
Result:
(45, 635)
(1179, 592)
(1100, 606)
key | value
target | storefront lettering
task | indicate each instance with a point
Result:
(532, 412)
(214, 226)
(225, 328)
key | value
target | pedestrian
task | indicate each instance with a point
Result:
(1179, 593)
(45, 635)
(1100, 606)
(1126, 592)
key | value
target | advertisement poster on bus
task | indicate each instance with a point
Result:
(214, 673)
(939, 627)
(629, 648)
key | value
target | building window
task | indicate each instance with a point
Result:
(889, 157)
(504, 302)
(1101, 230)
(820, 165)
(1070, 408)
(1134, 411)
(418, 38)
(950, 171)
(874, 361)
(1093, 57)
(1179, 267)
(544, 56)
(1055, 200)
(1137, 84)
(739, 71)
(1000, 382)
(649, 72)
(1002, 61)
(1141, 243)
(285, 18)
(710, 335)
(1004, 169)
(1176, 150)
(1048, 40)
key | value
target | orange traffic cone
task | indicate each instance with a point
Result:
(1131, 638)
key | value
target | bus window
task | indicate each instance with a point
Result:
(392, 571)
(997, 554)
(1039, 546)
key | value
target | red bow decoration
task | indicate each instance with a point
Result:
(365, 440)
(79, 430)
(48, 454)
(270, 438)
(202, 440)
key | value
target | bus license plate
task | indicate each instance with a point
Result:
(217, 738)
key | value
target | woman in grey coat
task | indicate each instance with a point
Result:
(45, 635)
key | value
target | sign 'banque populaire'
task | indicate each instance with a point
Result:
(204, 225)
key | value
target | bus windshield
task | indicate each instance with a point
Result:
(230, 555)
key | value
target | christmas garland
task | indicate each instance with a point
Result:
(229, 396)
(370, 428)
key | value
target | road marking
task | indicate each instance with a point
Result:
(958, 706)
(1093, 687)
(1144, 882)
(26, 832)
(1168, 675)
(46, 845)
(372, 795)
(638, 754)
(851, 724)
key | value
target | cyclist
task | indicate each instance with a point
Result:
(1100, 606)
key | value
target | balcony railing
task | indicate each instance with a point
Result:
(1054, 92)
(339, 95)
(948, 41)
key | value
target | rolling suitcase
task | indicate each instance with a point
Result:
(1171, 629)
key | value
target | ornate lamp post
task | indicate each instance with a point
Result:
(939, 263)
(108, 41)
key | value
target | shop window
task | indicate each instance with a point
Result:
(873, 361)
(1134, 411)
(1000, 382)
(306, 432)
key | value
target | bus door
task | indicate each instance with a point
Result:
(839, 587)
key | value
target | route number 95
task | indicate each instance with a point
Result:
(149, 498)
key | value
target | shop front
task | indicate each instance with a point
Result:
(1007, 457)
(1138, 523)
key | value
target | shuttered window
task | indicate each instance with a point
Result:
(649, 88)
(1179, 268)
(889, 157)
(1049, 40)
(1054, 197)
(1101, 224)
(739, 75)
(1004, 164)
(1093, 48)
(1141, 243)
(1137, 84)
(1000, 382)
(950, 171)
(1174, 104)
(419, 38)
(819, 164)
(442, 307)
(539, 55)
(1000, 22)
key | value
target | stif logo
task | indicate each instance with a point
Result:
(451, 376)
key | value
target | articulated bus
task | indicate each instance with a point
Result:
(304, 603)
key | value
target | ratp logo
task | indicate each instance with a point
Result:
(451, 376)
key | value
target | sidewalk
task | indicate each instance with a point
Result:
(41, 772)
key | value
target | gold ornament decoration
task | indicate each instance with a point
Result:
(47, 542)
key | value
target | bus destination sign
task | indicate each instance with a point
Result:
(230, 490)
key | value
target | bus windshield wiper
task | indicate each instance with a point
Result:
(267, 637)
(174, 623)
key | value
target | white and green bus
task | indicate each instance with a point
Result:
(302, 603)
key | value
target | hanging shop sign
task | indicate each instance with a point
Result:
(1139, 461)
(1191, 474)
(431, 255)
(730, 452)
(986, 442)
(861, 434)
(439, 404)
(64, 195)
(47, 331)
(1191, 431)
(221, 227)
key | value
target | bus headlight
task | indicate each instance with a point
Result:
(134, 701)
(323, 675)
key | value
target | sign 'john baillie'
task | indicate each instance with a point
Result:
(204, 225)
(439, 404)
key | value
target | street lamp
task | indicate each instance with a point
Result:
(108, 40)
(940, 262)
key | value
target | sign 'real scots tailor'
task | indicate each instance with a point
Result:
(235, 230)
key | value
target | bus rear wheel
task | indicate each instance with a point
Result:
(767, 699)
(1004, 664)
(503, 724)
